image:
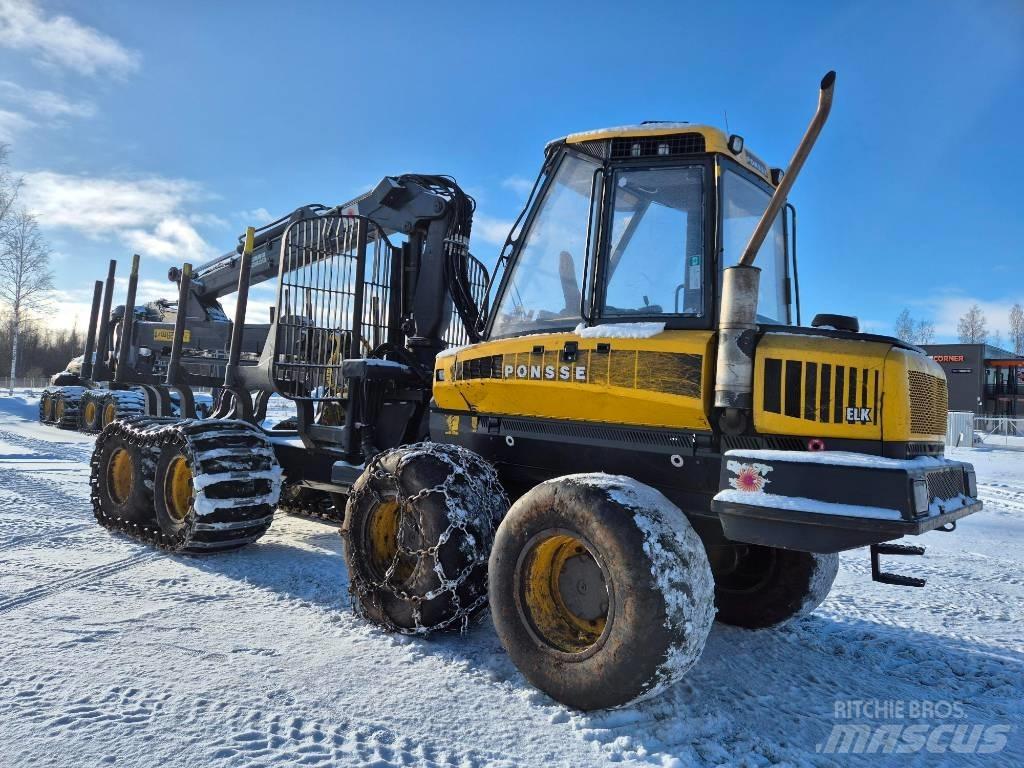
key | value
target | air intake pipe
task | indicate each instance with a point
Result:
(737, 322)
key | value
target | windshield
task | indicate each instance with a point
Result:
(543, 289)
(656, 260)
(743, 202)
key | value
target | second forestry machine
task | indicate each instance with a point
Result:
(677, 446)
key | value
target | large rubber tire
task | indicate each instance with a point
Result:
(119, 404)
(767, 586)
(588, 647)
(215, 486)
(419, 523)
(90, 413)
(120, 474)
(65, 412)
(44, 408)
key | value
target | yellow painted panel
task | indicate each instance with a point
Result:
(865, 357)
(661, 381)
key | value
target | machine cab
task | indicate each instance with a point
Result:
(634, 224)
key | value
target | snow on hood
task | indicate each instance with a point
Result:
(619, 330)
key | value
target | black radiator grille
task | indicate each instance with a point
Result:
(946, 484)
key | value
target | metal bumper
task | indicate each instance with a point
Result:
(832, 501)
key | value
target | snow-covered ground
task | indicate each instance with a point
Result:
(111, 653)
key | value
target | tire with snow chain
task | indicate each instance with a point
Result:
(600, 590)
(90, 412)
(766, 586)
(45, 403)
(122, 477)
(419, 523)
(216, 485)
(65, 407)
(119, 404)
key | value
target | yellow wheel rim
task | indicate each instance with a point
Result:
(58, 411)
(109, 413)
(47, 405)
(120, 475)
(564, 593)
(90, 413)
(382, 532)
(178, 488)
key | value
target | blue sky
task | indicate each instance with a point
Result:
(164, 128)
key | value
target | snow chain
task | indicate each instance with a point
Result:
(150, 434)
(475, 526)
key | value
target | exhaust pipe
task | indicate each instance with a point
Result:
(737, 324)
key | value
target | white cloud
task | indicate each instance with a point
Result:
(946, 311)
(45, 103)
(147, 214)
(173, 239)
(208, 220)
(12, 123)
(490, 230)
(256, 217)
(518, 184)
(62, 41)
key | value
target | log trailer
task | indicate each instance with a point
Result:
(113, 379)
(678, 447)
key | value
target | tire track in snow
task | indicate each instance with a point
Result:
(39, 491)
(76, 452)
(77, 579)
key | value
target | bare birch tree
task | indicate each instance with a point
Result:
(925, 332)
(1017, 329)
(905, 327)
(9, 188)
(25, 276)
(972, 326)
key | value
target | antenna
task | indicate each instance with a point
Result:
(725, 112)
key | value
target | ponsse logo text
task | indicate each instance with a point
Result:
(548, 372)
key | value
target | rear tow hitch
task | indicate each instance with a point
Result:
(877, 574)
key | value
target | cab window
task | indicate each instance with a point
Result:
(543, 290)
(743, 202)
(655, 262)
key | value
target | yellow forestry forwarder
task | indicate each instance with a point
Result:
(678, 449)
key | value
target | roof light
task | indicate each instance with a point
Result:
(735, 144)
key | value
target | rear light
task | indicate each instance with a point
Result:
(815, 444)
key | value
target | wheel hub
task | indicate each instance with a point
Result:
(178, 489)
(120, 475)
(382, 529)
(109, 413)
(563, 592)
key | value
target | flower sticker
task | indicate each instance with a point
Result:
(749, 477)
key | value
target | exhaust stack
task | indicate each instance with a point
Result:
(737, 324)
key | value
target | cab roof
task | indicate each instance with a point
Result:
(714, 140)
